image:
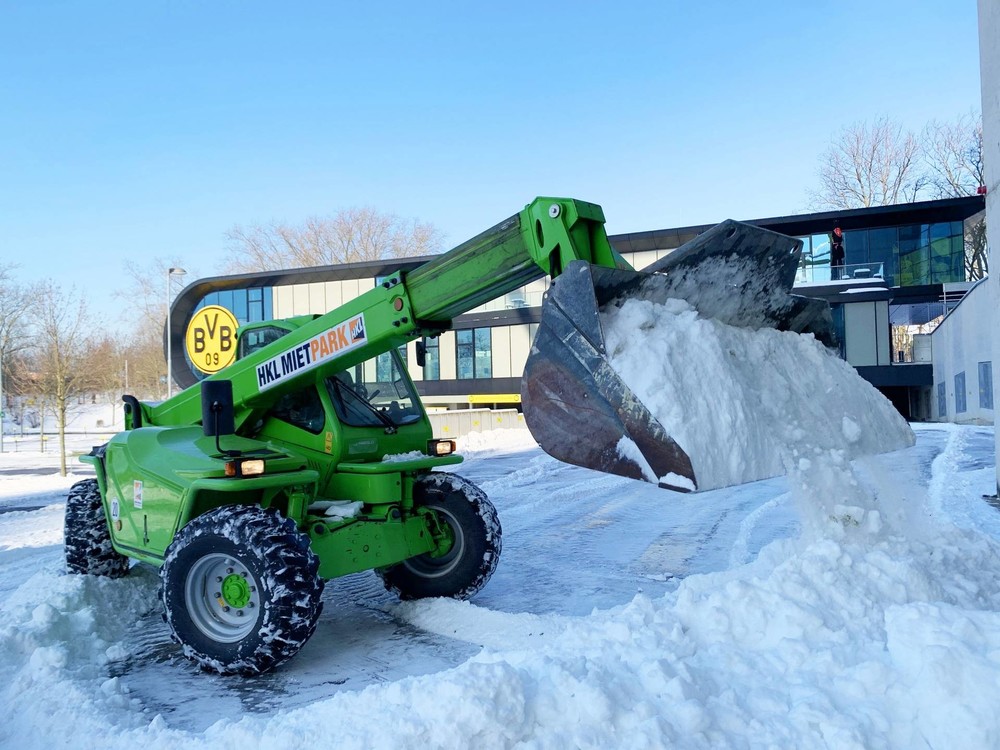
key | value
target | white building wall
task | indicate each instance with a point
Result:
(989, 76)
(300, 299)
(448, 352)
(316, 297)
(960, 343)
(500, 342)
(281, 301)
(643, 258)
(520, 345)
(416, 372)
(867, 333)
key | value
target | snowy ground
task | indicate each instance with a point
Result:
(621, 615)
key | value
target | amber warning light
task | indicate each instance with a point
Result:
(245, 467)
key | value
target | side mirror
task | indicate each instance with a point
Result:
(421, 354)
(217, 413)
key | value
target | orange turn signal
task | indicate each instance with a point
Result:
(249, 467)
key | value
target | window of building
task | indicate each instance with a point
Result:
(248, 305)
(986, 385)
(474, 353)
(384, 365)
(815, 263)
(960, 405)
(910, 254)
(255, 304)
(942, 400)
(432, 361)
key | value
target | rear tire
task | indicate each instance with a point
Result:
(88, 538)
(469, 564)
(240, 591)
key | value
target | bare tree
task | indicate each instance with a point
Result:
(104, 371)
(349, 236)
(15, 300)
(141, 351)
(954, 156)
(60, 324)
(875, 164)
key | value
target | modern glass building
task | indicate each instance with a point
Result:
(903, 268)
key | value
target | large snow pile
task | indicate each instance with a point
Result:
(856, 637)
(871, 621)
(745, 404)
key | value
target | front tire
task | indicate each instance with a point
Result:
(88, 539)
(472, 521)
(240, 590)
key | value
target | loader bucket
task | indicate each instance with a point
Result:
(579, 409)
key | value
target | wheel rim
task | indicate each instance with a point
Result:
(222, 597)
(427, 566)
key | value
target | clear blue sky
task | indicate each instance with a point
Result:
(147, 129)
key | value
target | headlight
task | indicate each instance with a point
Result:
(440, 447)
(245, 467)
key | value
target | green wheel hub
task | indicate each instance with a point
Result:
(222, 597)
(236, 591)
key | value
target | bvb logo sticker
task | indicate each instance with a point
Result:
(211, 338)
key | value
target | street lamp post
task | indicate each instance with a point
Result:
(171, 272)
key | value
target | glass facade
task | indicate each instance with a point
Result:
(912, 254)
(908, 320)
(815, 263)
(907, 255)
(474, 353)
(248, 305)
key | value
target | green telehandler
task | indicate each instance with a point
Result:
(311, 456)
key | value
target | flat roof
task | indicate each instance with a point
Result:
(800, 225)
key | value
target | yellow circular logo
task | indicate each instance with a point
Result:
(211, 338)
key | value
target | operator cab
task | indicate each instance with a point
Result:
(374, 393)
(362, 412)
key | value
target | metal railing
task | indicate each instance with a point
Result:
(819, 274)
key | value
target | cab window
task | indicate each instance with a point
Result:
(303, 409)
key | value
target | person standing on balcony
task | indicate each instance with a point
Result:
(836, 253)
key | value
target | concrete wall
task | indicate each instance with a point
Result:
(960, 345)
(454, 424)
